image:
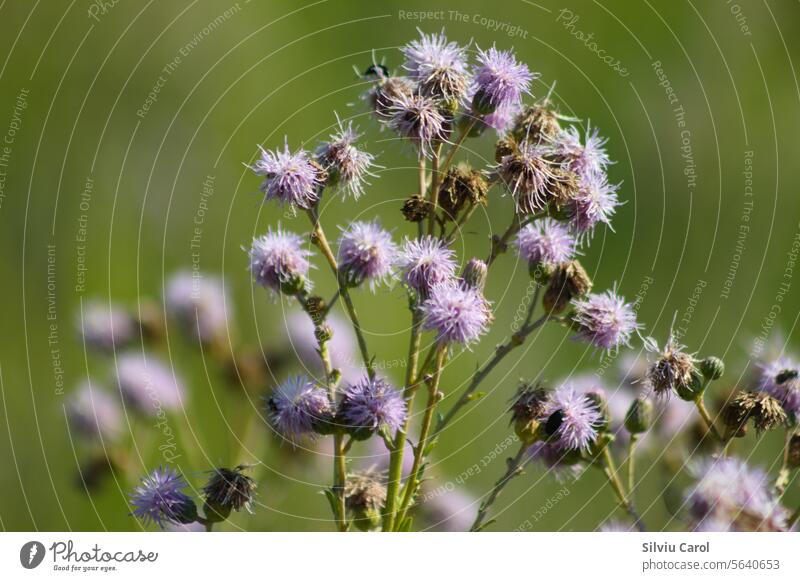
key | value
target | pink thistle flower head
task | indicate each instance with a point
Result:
(94, 413)
(367, 253)
(500, 80)
(527, 174)
(780, 378)
(148, 385)
(572, 419)
(546, 242)
(426, 262)
(299, 407)
(595, 202)
(418, 118)
(199, 303)
(347, 166)
(605, 320)
(371, 405)
(106, 327)
(279, 262)
(291, 178)
(457, 313)
(585, 159)
(438, 66)
(160, 498)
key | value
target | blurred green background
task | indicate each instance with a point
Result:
(75, 74)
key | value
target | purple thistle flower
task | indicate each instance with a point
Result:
(347, 165)
(106, 327)
(279, 262)
(572, 419)
(438, 66)
(199, 303)
(595, 201)
(458, 313)
(160, 499)
(290, 178)
(425, 263)
(418, 118)
(500, 81)
(367, 252)
(605, 320)
(730, 496)
(148, 385)
(370, 405)
(547, 242)
(527, 174)
(780, 378)
(94, 413)
(298, 407)
(587, 159)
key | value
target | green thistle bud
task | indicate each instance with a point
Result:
(482, 104)
(640, 416)
(712, 368)
(693, 389)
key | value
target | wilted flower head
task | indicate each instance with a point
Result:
(290, 178)
(279, 262)
(568, 281)
(730, 496)
(299, 407)
(605, 320)
(781, 379)
(765, 411)
(546, 242)
(536, 123)
(594, 202)
(370, 405)
(438, 66)
(228, 490)
(419, 119)
(527, 173)
(456, 312)
(107, 327)
(527, 411)
(572, 419)
(160, 499)
(426, 262)
(199, 303)
(365, 495)
(586, 160)
(367, 253)
(673, 370)
(474, 274)
(94, 413)
(147, 384)
(499, 80)
(348, 166)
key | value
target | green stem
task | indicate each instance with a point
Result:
(610, 470)
(632, 462)
(701, 408)
(419, 452)
(514, 469)
(793, 519)
(434, 190)
(451, 154)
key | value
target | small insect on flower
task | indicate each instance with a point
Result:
(200, 305)
(94, 413)
(426, 262)
(673, 370)
(148, 385)
(572, 419)
(160, 499)
(730, 496)
(456, 312)
(594, 202)
(299, 407)
(228, 490)
(527, 174)
(586, 160)
(291, 178)
(279, 261)
(419, 119)
(781, 379)
(499, 80)
(369, 406)
(347, 166)
(365, 496)
(605, 320)
(546, 242)
(367, 253)
(438, 66)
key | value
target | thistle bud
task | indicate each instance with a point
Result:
(526, 412)
(640, 416)
(365, 496)
(475, 273)
(482, 103)
(323, 333)
(536, 123)
(600, 402)
(691, 390)
(568, 281)
(415, 208)
(712, 368)
(461, 186)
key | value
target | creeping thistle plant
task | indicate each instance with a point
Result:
(556, 173)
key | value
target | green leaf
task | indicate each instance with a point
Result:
(475, 396)
(405, 526)
(333, 500)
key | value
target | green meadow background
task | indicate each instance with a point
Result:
(710, 183)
